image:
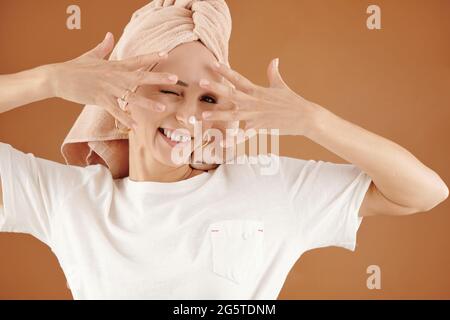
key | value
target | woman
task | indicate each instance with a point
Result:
(151, 228)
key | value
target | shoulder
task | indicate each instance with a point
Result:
(288, 170)
(44, 170)
(267, 166)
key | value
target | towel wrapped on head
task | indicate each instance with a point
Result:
(159, 26)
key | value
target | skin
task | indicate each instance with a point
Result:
(401, 183)
(87, 79)
(150, 155)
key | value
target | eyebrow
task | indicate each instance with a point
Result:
(182, 83)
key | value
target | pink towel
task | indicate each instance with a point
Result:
(161, 25)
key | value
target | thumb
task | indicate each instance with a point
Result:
(273, 73)
(103, 48)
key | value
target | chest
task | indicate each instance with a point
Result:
(216, 249)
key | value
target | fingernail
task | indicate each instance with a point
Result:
(204, 82)
(108, 35)
(162, 54)
(217, 64)
(276, 63)
(206, 114)
(173, 78)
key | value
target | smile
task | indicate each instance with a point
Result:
(173, 138)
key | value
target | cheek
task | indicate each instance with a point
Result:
(145, 117)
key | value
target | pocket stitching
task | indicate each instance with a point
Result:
(231, 270)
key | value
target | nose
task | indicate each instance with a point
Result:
(185, 113)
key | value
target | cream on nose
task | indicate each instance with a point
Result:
(192, 120)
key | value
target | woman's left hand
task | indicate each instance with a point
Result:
(275, 107)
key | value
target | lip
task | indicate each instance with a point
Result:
(170, 142)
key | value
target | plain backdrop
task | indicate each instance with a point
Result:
(394, 82)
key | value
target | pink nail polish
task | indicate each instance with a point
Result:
(276, 63)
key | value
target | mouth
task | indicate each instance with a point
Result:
(174, 137)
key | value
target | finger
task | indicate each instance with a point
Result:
(273, 73)
(229, 115)
(238, 80)
(137, 100)
(113, 108)
(116, 90)
(140, 61)
(228, 92)
(231, 140)
(103, 48)
(139, 78)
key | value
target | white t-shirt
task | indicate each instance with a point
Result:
(233, 233)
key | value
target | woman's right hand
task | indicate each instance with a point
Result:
(89, 79)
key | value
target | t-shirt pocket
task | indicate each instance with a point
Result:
(237, 248)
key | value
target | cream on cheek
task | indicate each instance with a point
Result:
(173, 98)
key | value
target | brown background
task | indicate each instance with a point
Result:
(394, 82)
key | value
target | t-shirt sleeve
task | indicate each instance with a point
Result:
(325, 198)
(32, 189)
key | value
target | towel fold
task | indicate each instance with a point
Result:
(159, 26)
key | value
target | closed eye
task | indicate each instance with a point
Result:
(205, 98)
(169, 92)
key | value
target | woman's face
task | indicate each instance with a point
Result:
(190, 62)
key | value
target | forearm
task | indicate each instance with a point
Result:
(398, 175)
(24, 87)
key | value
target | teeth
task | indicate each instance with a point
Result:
(174, 137)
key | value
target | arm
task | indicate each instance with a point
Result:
(24, 87)
(88, 79)
(401, 183)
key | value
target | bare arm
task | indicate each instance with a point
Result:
(87, 79)
(401, 183)
(24, 87)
